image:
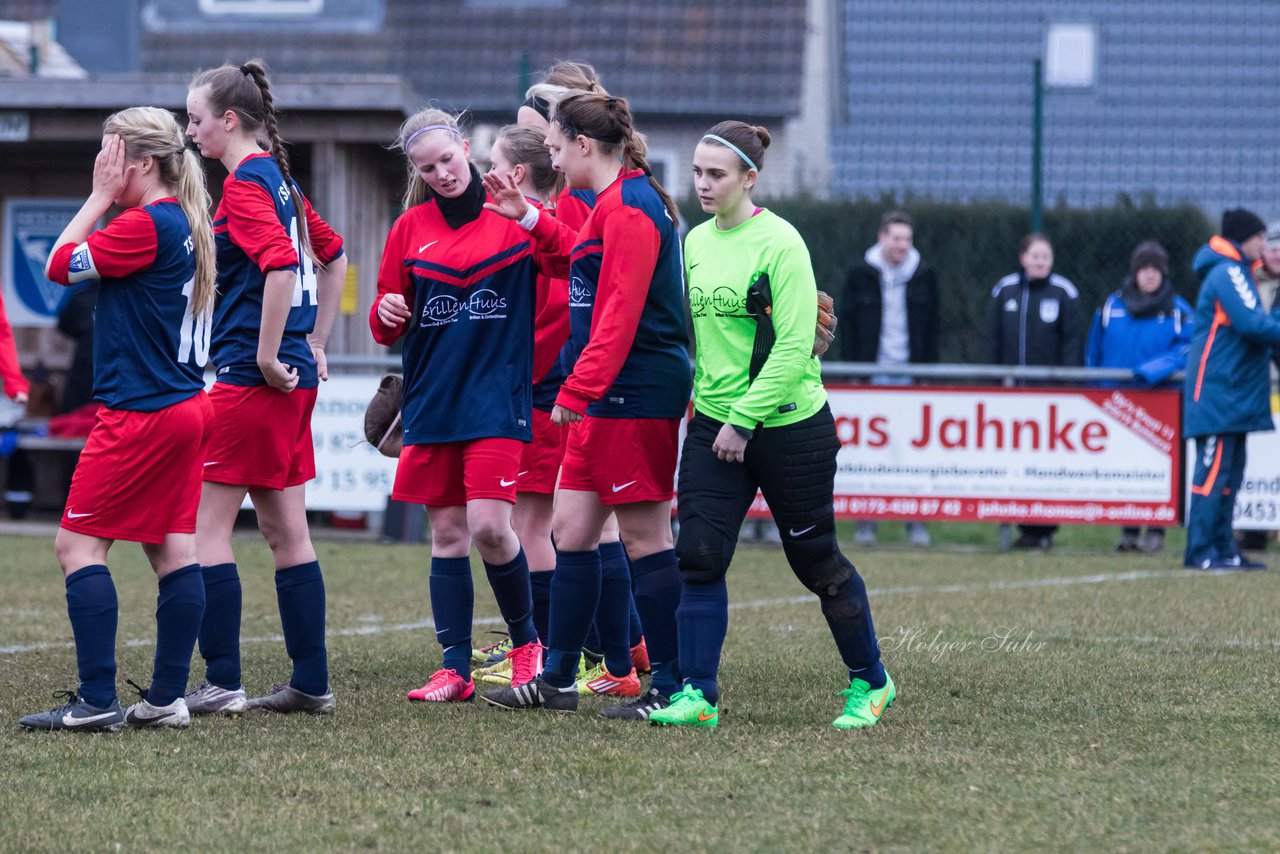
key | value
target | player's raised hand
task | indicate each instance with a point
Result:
(393, 310)
(110, 171)
(507, 201)
(279, 376)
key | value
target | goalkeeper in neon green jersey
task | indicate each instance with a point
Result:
(761, 420)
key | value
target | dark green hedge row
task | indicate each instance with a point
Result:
(973, 245)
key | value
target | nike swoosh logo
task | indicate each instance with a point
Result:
(617, 488)
(703, 716)
(71, 515)
(502, 481)
(206, 465)
(876, 710)
(424, 247)
(163, 717)
(71, 720)
(796, 533)
(521, 473)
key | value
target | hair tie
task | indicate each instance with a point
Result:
(729, 145)
(244, 69)
(420, 131)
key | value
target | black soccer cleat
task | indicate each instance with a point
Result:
(76, 715)
(639, 708)
(537, 694)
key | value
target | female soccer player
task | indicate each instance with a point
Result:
(758, 424)
(628, 390)
(457, 283)
(270, 325)
(138, 477)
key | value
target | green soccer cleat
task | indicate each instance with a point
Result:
(864, 705)
(687, 708)
(492, 654)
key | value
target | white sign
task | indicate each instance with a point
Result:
(30, 228)
(1258, 504)
(350, 474)
(1042, 456)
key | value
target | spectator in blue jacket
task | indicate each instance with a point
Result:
(1228, 386)
(1147, 327)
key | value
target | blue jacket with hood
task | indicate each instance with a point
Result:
(1153, 346)
(1228, 385)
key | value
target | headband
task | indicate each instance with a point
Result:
(541, 105)
(729, 145)
(420, 131)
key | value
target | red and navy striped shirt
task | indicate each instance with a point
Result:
(256, 232)
(149, 351)
(468, 347)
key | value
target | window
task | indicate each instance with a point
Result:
(296, 16)
(266, 8)
(1071, 54)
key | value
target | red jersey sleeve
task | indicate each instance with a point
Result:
(14, 382)
(553, 243)
(325, 242)
(125, 246)
(255, 227)
(631, 244)
(393, 278)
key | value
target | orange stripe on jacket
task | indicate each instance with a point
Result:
(1223, 247)
(1207, 487)
(1219, 319)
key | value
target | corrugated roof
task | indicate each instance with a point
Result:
(666, 56)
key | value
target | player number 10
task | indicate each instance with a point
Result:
(195, 331)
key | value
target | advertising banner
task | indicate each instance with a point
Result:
(350, 474)
(30, 228)
(1030, 455)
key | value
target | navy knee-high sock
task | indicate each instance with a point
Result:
(575, 591)
(452, 603)
(220, 628)
(300, 595)
(634, 627)
(613, 617)
(703, 616)
(179, 609)
(848, 615)
(540, 587)
(657, 597)
(94, 610)
(511, 587)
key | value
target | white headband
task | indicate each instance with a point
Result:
(729, 145)
(420, 131)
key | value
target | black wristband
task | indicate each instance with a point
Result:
(743, 432)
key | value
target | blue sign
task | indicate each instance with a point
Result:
(30, 228)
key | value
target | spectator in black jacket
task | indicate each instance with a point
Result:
(1034, 319)
(889, 315)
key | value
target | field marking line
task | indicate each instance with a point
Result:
(979, 587)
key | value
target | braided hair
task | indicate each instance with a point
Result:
(246, 91)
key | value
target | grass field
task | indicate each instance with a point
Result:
(1071, 700)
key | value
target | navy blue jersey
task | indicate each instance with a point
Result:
(468, 348)
(572, 208)
(149, 351)
(256, 231)
(626, 306)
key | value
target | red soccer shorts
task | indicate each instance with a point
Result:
(623, 460)
(261, 437)
(139, 473)
(540, 460)
(450, 474)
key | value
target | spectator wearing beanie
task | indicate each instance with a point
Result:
(1228, 390)
(1146, 327)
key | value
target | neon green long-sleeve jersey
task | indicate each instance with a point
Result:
(720, 266)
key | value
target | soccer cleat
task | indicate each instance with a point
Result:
(638, 709)
(1248, 565)
(587, 674)
(444, 686)
(537, 694)
(490, 655)
(212, 700)
(285, 699)
(863, 705)
(640, 658)
(688, 708)
(497, 674)
(143, 715)
(76, 715)
(526, 663)
(605, 683)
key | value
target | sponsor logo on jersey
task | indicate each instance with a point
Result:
(440, 309)
(580, 296)
(485, 304)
